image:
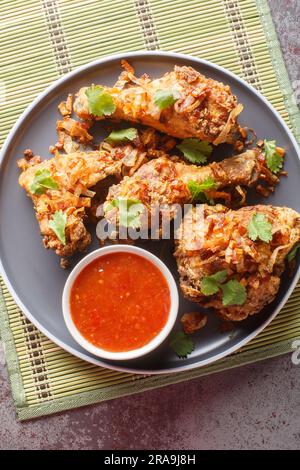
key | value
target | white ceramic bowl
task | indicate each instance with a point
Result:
(134, 353)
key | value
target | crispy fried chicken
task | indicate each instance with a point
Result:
(204, 108)
(214, 239)
(164, 181)
(74, 174)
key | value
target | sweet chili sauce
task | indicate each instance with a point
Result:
(120, 302)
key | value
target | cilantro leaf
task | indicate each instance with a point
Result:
(42, 181)
(198, 190)
(165, 98)
(130, 216)
(130, 211)
(100, 102)
(260, 227)
(194, 150)
(292, 254)
(273, 159)
(211, 284)
(234, 293)
(122, 135)
(58, 225)
(181, 343)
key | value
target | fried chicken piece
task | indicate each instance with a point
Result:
(214, 239)
(65, 107)
(75, 129)
(193, 321)
(164, 181)
(205, 108)
(73, 175)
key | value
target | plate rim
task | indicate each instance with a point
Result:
(22, 120)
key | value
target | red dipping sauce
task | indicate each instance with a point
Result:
(120, 302)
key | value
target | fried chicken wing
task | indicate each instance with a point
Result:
(217, 239)
(164, 181)
(71, 176)
(204, 108)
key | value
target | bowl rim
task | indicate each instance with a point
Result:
(133, 353)
(140, 54)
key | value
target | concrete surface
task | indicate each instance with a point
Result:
(253, 407)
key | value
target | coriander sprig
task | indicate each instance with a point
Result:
(274, 160)
(122, 136)
(166, 98)
(58, 224)
(100, 102)
(260, 228)
(233, 292)
(130, 211)
(199, 190)
(195, 150)
(181, 343)
(42, 181)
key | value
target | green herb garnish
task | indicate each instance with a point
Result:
(58, 225)
(260, 227)
(130, 211)
(181, 344)
(273, 159)
(100, 103)
(165, 98)
(122, 135)
(194, 150)
(42, 182)
(198, 190)
(292, 254)
(211, 284)
(233, 292)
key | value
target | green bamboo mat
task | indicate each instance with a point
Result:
(43, 39)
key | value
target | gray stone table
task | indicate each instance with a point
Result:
(253, 407)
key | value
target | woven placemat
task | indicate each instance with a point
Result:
(43, 39)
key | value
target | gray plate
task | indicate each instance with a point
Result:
(33, 274)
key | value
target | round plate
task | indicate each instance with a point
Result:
(33, 275)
